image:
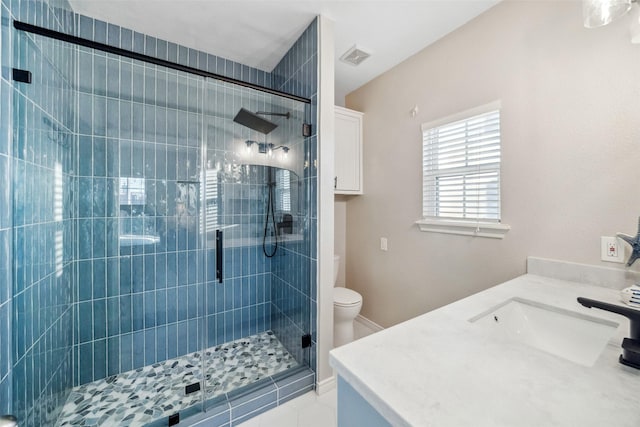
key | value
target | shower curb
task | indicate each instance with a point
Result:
(239, 406)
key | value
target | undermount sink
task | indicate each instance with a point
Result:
(573, 336)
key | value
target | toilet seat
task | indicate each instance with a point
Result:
(346, 297)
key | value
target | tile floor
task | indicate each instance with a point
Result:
(137, 397)
(360, 330)
(308, 410)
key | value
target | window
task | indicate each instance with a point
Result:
(210, 200)
(283, 190)
(132, 191)
(461, 173)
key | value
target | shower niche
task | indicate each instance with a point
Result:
(276, 201)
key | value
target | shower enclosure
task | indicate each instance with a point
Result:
(179, 274)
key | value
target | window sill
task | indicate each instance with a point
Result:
(483, 229)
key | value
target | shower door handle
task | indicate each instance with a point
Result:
(219, 246)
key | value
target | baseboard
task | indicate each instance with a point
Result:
(326, 385)
(373, 326)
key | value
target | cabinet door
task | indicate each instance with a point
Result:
(348, 152)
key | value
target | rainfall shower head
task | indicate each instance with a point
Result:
(253, 121)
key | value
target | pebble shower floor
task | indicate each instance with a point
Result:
(144, 395)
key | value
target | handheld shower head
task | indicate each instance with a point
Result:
(253, 121)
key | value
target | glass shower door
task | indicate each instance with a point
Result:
(167, 275)
(257, 305)
(169, 245)
(139, 258)
(43, 189)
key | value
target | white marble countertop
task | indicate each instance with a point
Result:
(439, 369)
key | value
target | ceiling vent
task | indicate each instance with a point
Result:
(354, 56)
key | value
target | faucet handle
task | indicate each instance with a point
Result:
(630, 346)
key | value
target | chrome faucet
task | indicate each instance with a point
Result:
(630, 346)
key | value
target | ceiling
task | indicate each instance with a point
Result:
(259, 32)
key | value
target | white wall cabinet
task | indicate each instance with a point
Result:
(348, 153)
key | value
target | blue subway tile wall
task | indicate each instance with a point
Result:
(6, 208)
(294, 296)
(141, 262)
(41, 151)
(139, 171)
(112, 268)
(113, 35)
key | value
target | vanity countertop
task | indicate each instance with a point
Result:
(439, 369)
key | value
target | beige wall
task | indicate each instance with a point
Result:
(571, 154)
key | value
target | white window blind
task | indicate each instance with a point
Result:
(132, 191)
(461, 166)
(283, 190)
(210, 200)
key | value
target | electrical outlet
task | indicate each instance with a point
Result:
(383, 244)
(611, 249)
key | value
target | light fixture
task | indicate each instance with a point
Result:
(266, 147)
(596, 13)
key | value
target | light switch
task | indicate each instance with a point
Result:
(383, 244)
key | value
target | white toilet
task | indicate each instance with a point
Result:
(346, 306)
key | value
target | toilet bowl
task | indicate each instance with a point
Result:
(346, 306)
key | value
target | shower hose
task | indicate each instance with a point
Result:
(270, 209)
